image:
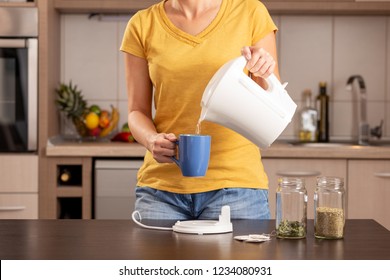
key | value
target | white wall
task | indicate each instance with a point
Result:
(311, 49)
(90, 57)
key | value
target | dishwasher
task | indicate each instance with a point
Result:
(115, 181)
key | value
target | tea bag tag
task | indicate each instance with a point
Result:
(253, 238)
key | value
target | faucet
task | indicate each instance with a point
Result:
(363, 127)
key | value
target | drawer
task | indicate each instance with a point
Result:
(18, 173)
(18, 206)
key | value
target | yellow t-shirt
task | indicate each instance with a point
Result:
(180, 67)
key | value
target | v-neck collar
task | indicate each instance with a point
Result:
(189, 38)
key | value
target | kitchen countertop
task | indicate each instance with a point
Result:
(56, 146)
(122, 239)
(280, 149)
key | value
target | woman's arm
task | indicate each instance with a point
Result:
(140, 94)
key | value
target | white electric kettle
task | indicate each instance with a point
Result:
(234, 100)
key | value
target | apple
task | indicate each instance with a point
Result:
(125, 127)
(104, 119)
(94, 132)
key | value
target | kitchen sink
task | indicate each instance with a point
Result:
(380, 143)
(323, 145)
(333, 144)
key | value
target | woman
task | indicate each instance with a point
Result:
(172, 50)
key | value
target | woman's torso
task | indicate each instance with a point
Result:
(180, 67)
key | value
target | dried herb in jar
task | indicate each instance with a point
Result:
(291, 229)
(329, 222)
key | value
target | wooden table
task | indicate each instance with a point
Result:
(119, 239)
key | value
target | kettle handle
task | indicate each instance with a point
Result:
(249, 84)
(252, 86)
(272, 80)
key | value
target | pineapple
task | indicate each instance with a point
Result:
(72, 103)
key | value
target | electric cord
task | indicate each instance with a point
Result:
(138, 222)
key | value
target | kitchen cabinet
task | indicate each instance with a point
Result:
(18, 206)
(334, 7)
(83, 157)
(275, 7)
(369, 190)
(71, 191)
(18, 4)
(18, 187)
(305, 168)
(91, 6)
(63, 200)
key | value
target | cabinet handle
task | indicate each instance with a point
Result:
(12, 208)
(298, 173)
(382, 174)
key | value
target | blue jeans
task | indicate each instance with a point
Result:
(244, 204)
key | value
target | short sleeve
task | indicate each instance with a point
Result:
(132, 39)
(262, 22)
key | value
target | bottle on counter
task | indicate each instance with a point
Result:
(329, 205)
(69, 175)
(65, 176)
(322, 104)
(308, 120)
(291, 207)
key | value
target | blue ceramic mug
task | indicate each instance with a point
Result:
(193, 154)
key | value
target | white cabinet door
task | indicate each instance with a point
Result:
(18, 173)
(306, 168)
(18, 186)
(369, 190)
(18, 206)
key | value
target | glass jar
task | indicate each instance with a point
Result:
(291, 205)
(329, 207)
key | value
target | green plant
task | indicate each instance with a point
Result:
(71, 102)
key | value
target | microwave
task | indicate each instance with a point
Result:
(18, 79)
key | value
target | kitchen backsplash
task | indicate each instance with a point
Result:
(310, 49)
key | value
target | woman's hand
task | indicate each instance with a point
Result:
(260, 62)
(162, 146)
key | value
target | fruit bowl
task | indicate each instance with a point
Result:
(80, 121)
(97, 124)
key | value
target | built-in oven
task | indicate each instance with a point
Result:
(18, 79)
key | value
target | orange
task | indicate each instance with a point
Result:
(104, 119)
(91, 120)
